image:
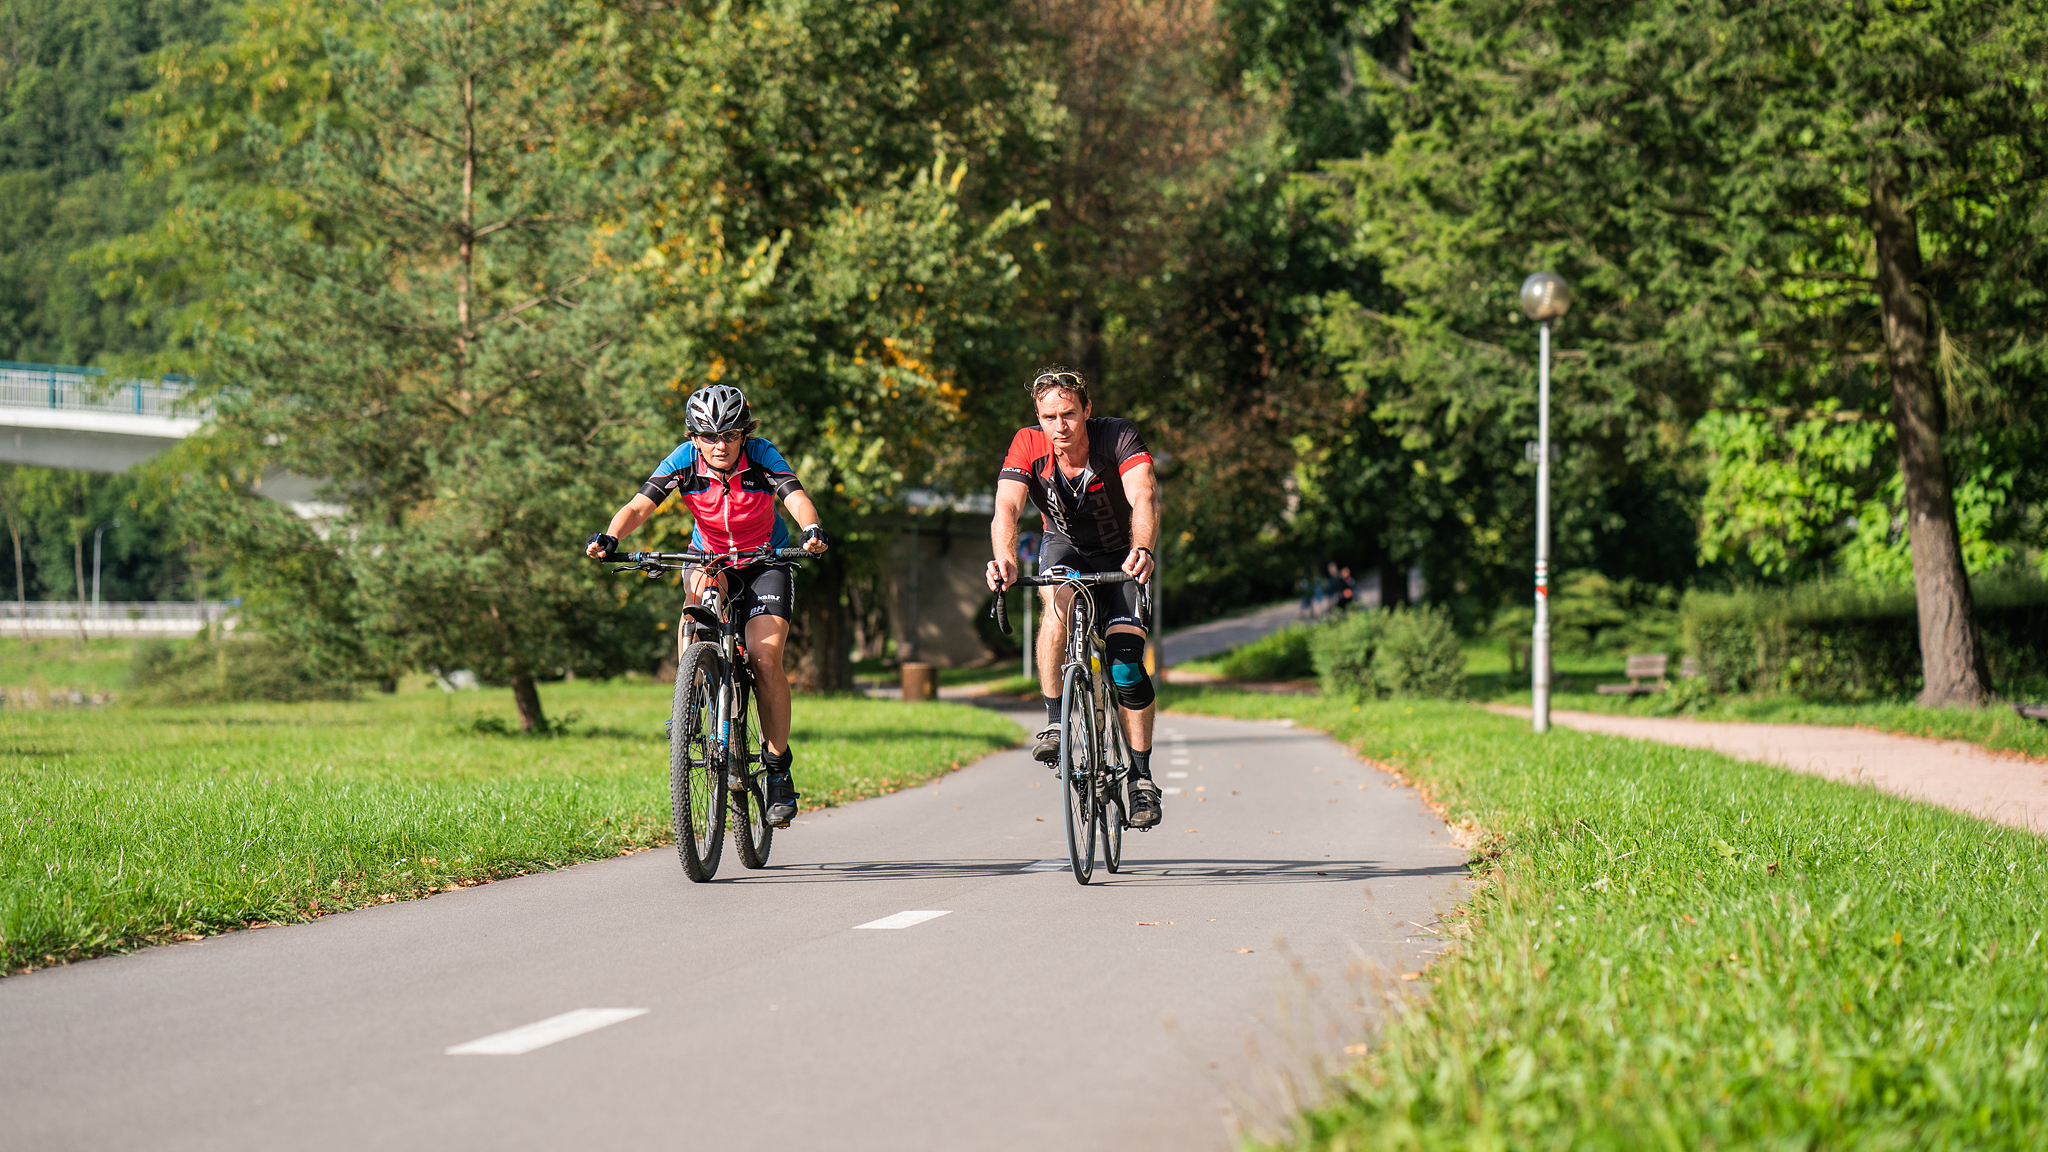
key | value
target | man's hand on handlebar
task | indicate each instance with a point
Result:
(815, 541)
(1139, 564)
(601, 545)
(1001, 574)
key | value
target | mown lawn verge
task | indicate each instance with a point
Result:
(126, 827)
(1678, 950)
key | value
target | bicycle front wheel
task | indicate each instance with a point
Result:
(751, 832)
(1077, 783)
(696, 769)
(1114, 767)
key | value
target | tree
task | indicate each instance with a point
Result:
(1763, 206)
(826, 193)
(417, 302)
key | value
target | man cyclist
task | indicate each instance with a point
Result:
(1091, 478)
(730, 481)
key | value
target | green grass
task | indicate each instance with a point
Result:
(94, 666)
(124, 827)
(1672, 949)
(1995, 726)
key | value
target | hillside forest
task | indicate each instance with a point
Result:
(464, 260)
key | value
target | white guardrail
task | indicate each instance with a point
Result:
(67, 389)
(163, 618)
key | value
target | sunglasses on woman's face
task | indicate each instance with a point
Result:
(721, 438)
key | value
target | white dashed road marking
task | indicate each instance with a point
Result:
(1176, 775)
(541, 1033)
(1048, 866)
(901, 920)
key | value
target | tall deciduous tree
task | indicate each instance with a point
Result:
(1765, 206)
(826, 189)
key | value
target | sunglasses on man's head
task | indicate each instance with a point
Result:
(721, 437)
(1057, 380)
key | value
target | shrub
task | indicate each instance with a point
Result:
(1836, 641)
(1283, 655)
(1402, 652)
(208, 671)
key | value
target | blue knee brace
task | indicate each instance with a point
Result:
(1127, 669)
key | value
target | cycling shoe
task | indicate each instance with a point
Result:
(1047, 750)
(1145, 809)
(782, 798)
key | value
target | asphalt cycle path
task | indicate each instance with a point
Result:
(918, 971)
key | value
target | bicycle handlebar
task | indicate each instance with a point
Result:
(1001, 609)
(656, 562)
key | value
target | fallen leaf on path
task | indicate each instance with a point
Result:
(1355, 1049)
(1040, 819)
(187, 936)
(1194, 829)
(1411, 975)
(1240, 949)
(1148, 923)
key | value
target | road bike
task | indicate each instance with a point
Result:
(714, 721)
(1095, 754)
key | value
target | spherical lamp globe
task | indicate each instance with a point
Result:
(1545, 297)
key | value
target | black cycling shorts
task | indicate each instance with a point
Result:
(760, 590)
(1114, 603)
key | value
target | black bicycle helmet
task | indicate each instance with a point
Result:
(717, 408)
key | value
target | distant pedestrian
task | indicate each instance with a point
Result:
(1347, 591)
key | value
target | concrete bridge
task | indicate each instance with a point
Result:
(57, 416)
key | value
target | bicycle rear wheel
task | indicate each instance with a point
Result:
(1077, 784)
(1115, 766)
(696, 773)
(751, 832)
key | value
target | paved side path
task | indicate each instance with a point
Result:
(1199, 640)
(2001, 787)
(917, 971)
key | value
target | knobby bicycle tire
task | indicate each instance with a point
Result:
(1077, 787)
(696, 778)
(752, 835)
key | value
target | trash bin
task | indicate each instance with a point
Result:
(920, 681)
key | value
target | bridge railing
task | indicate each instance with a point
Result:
(64, 388)
(114, 617)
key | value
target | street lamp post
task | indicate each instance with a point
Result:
(1545, 297)
(115, 523)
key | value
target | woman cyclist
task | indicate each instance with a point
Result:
(730, 480)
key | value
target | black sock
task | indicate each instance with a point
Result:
(774, 763)
(1052, 709)
(1141, 764)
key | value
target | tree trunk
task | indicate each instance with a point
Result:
(1951, 659)
(822, 639)
(526, 696)
(1393, 583)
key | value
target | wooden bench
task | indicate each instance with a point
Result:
(2032, 711)
(1640, 668)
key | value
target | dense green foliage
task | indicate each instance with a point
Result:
(67, 67)
(1669, 948)
(206, 819)
(1283, 234)
(1849, 642)
(1411, 651)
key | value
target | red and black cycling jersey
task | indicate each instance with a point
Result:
(1091, 510)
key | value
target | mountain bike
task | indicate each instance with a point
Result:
(1095, 754)
(714, 761)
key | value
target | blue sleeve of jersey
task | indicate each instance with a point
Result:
(763, 453)
(682, 459)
